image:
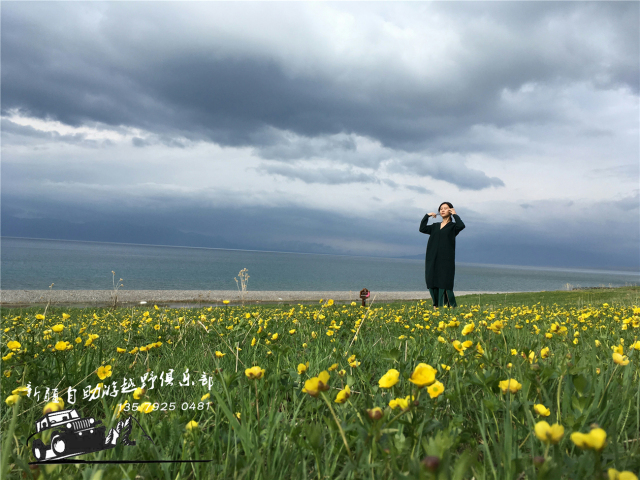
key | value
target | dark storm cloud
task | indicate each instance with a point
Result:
(451, 171)
(117, 72)
(297, 229)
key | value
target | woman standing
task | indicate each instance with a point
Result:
(440, 261)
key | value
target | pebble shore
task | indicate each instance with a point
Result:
(14, 298)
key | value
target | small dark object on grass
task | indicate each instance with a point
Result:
(364, 294)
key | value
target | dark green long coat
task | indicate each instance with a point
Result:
(440, 261)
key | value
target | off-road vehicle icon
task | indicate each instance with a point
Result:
(73, 435)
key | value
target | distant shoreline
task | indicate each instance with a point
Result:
(20, 298)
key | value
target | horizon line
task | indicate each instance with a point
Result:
(404, 257)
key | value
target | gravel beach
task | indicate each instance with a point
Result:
(11, 298)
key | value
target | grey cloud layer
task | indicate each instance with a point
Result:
(120, 70)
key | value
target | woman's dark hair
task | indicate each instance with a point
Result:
(450, 206)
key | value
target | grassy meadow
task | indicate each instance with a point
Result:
(328, 390)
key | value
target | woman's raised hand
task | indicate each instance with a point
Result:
(453, 211)
(432, 214)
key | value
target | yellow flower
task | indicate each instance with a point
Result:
(121, 408)
(225, 301)
(342, 372)
(7, 356)
(620, 359)
(97, 388)
(375, 413)
(514, 351)
(480, 349)
(191, 425)
(255, 373)
(12, 400)
(146, 407)
(510, 385)
(138, 393)
(253, 342)
(219, 354)
(65, 316)
(389, 379)
(598, 343)
(78, 340)
(435, 389)
(274, 336)
(445, 367)
(343, 395)
(403, 403)
(442, 340)
(549, 433)
(594, 440)
(635, 346)
(121, 350)
(39, 317)
(104, 372)
(22, 391)
(318, 384)
(468, 328)
(205, 397)
(329, 333)
(544, 353)
(291, 332)
(618, 349)
(13, 345)
(57, 328)
(53, 406)
(302, 368)
(61, 346)
(458, 346)
(304, 345)
(314, 335)
(423, 375)
(353, 363)
(541, 410)
(616, 475)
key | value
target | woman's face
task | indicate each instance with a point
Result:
(444, 210)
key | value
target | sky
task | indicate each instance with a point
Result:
(326, 127)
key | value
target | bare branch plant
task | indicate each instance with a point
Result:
(244, 279)
(116, 286)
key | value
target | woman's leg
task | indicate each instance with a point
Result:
(451, 299)
(434, 296)
(441, 292)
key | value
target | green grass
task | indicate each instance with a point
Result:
(472, 430)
